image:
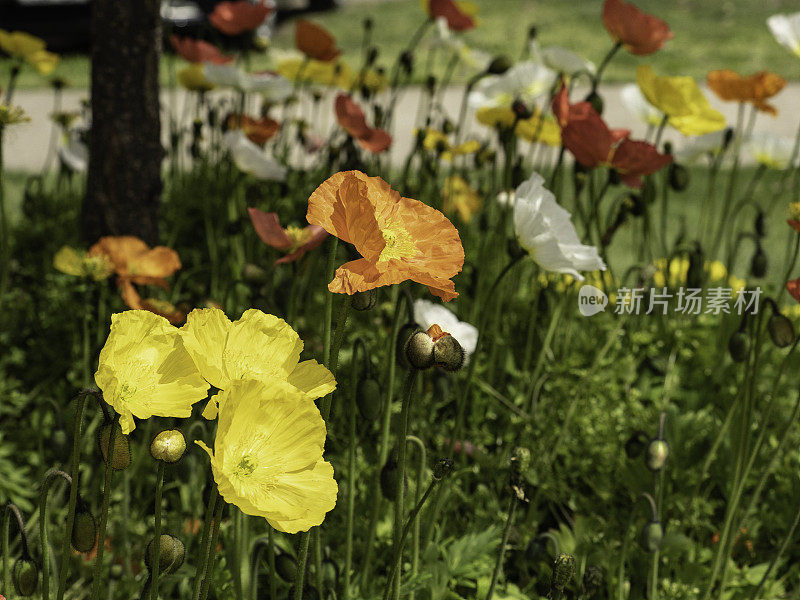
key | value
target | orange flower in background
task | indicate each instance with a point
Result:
(793, 287)
(295, 241)
(794, 216)
(640, 33)
(234, 18)
(756, 88)
(460, 16)
(315, 42)
(593, 143)
(258, 131)
(351, 118)
(163, 308)
(398, 238)
(198, 51)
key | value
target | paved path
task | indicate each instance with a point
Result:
(26, 145)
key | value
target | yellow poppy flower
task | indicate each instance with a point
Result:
(681, 100)
(193, 79)
(532, 129)
(43, 61)
(144, 369)
(257, 346)
(267, 456)
(335, 74)
(20, 44)
(459, 196)
(437, 141)
(80, 264)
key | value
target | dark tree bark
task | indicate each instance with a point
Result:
(125, 152)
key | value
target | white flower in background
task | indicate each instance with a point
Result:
(786, 29)
(560, 59)
(73, 153)
(702, 145)
(544, 229)
(275, 88)
(427, 313)
(250, 158)
(638, 106)
(770, 150)
(525, 81)
(444, 37)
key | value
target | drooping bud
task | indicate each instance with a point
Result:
(781, 330)
(652, 536)
(596, 101)
(727, 138)
(84, 528)
(678, 177)
(442, 468)
(168, 446)
(389, 476)
(430, 84)
(499, 65)
(171, 553)
(25, 577)
(563, 572)
(369, 399)
(657, 454)
(286, 566)
(121, 457)
(758, 264)
(739, 346)
(364, 300)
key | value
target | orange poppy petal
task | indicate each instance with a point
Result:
(159, 262)
(314, 41)
(794, 224)
(235, 18)
(269, 229)
(640, 33)
(457, 20)
(793, 287)
(376, 141)
(198, 51)
(357, 214)
(350, 116)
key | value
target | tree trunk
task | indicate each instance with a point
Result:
(125, 152)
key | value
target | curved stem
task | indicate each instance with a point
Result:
(498, 565)
(423, 460)
(156, 570)
(45, 549)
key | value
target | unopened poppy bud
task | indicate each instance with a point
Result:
(121, 457)
(419, 350)
(593, 579)
(403, 336)
(286, 566)
(758, 264)
(563, 572)
(168, 446)
(372, 55)
(652, 536)
(84, 529)
(430, 84)
(116, 571)
(739, 346)
(727, 138)
(407, 61)
(781, 330)
(58, 83)
(25, 577)
(448, 353)
(521, 111)
(759, 224)
(596, 100)
(364, 300)
(369, 398)
(517, 174)
(171, 553)
(678, 177)
(696, 271)
(657, 454)
(499, 65)
(442, 468)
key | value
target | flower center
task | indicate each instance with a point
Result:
(299, 236)
(399, 243)
(244, 468)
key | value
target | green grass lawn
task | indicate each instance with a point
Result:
(708, 35)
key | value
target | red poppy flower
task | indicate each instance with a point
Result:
(593, 143)
(639, 32)
(315, 42)
(793, 287)
(293, 240)
(457, 19)
(795, 224)
(198, 51)
(234, 18)
(258, 131)
(351, 118)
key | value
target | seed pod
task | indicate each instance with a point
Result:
(286, 566)
(652, 536)
(563, 572)
(419, 350)
(781, 330)
(442, 468)
(499, 65)
(678, 177)
(758, 264)
(25, 577)
(170, 556)
(448, 354)
(121, 458)
(596, 101)
(84, 529)
(168, 446)
(369, 398)
(739, 346)
(657, 454)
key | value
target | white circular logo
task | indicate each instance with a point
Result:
(591, 300)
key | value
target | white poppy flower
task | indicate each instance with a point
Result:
(73, 153)
(770, 150)
(544, 229)
(250, 158)
(525, 81)
(702, 145)
(274, 87)
(427, 313)
(786, 29)
(635, 102)
(560, 59)
(444, 37)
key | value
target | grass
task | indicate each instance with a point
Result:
(708, 35)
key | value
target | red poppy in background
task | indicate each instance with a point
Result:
(793, 287)
(351, 118)
(795, 224)
(234, 18)
(258, 131)
(294, 240)
(457, 19)
(593, 143)
(315, 42)
(198, 51)
(639, 32)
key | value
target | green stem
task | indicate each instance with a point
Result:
(43, 544)
(351, 484)
(498, 565)
(101, 540)
(212, 555)
(202, 554)
(302, 560)
(423, 460)
(155, 570)
(777, 557)
(607, 59)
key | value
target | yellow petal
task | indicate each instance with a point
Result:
(204, 336)
(261, 346)
(313, 379)
(318, 490)
(43, 61)
(69, 261)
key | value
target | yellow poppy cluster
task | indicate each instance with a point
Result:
(29, 48)
(267, 456)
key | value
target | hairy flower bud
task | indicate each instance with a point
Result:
(168, 446)
(170, 556)
(286, 566)
(739, 346)
(448, 353)
(652, 536)
(563, 572)
(593, 579)
(121, 457)
(419, 350)
(25, 577)
(657, 454)
(84, 529)
(781, 330)
(442, 468)
(364, 300)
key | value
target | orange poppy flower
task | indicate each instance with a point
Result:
(795, 224)
(315, 42)
(294, 240)
(257, 131)
(163, 308)
(352, 120)
(756, 88)
(457, 18)
(640, 33)
(793, 287)
(198, 51)
(398, 238)
(593, 143)
(234, 18)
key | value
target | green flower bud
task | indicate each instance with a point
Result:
(758, 264)
(695, 274)
(739, 346)
(657, 454)
(419, 350)
(25, 577)
(652, 536)
(442, 468)
(168, 446)
(286, 566)
(84, 529)
(448, 353)
(170, 556)
(121, 458)
(563, 572)
(364, 300)
(678, 177)
(403, 336)
(369, 398)
(781, 330)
